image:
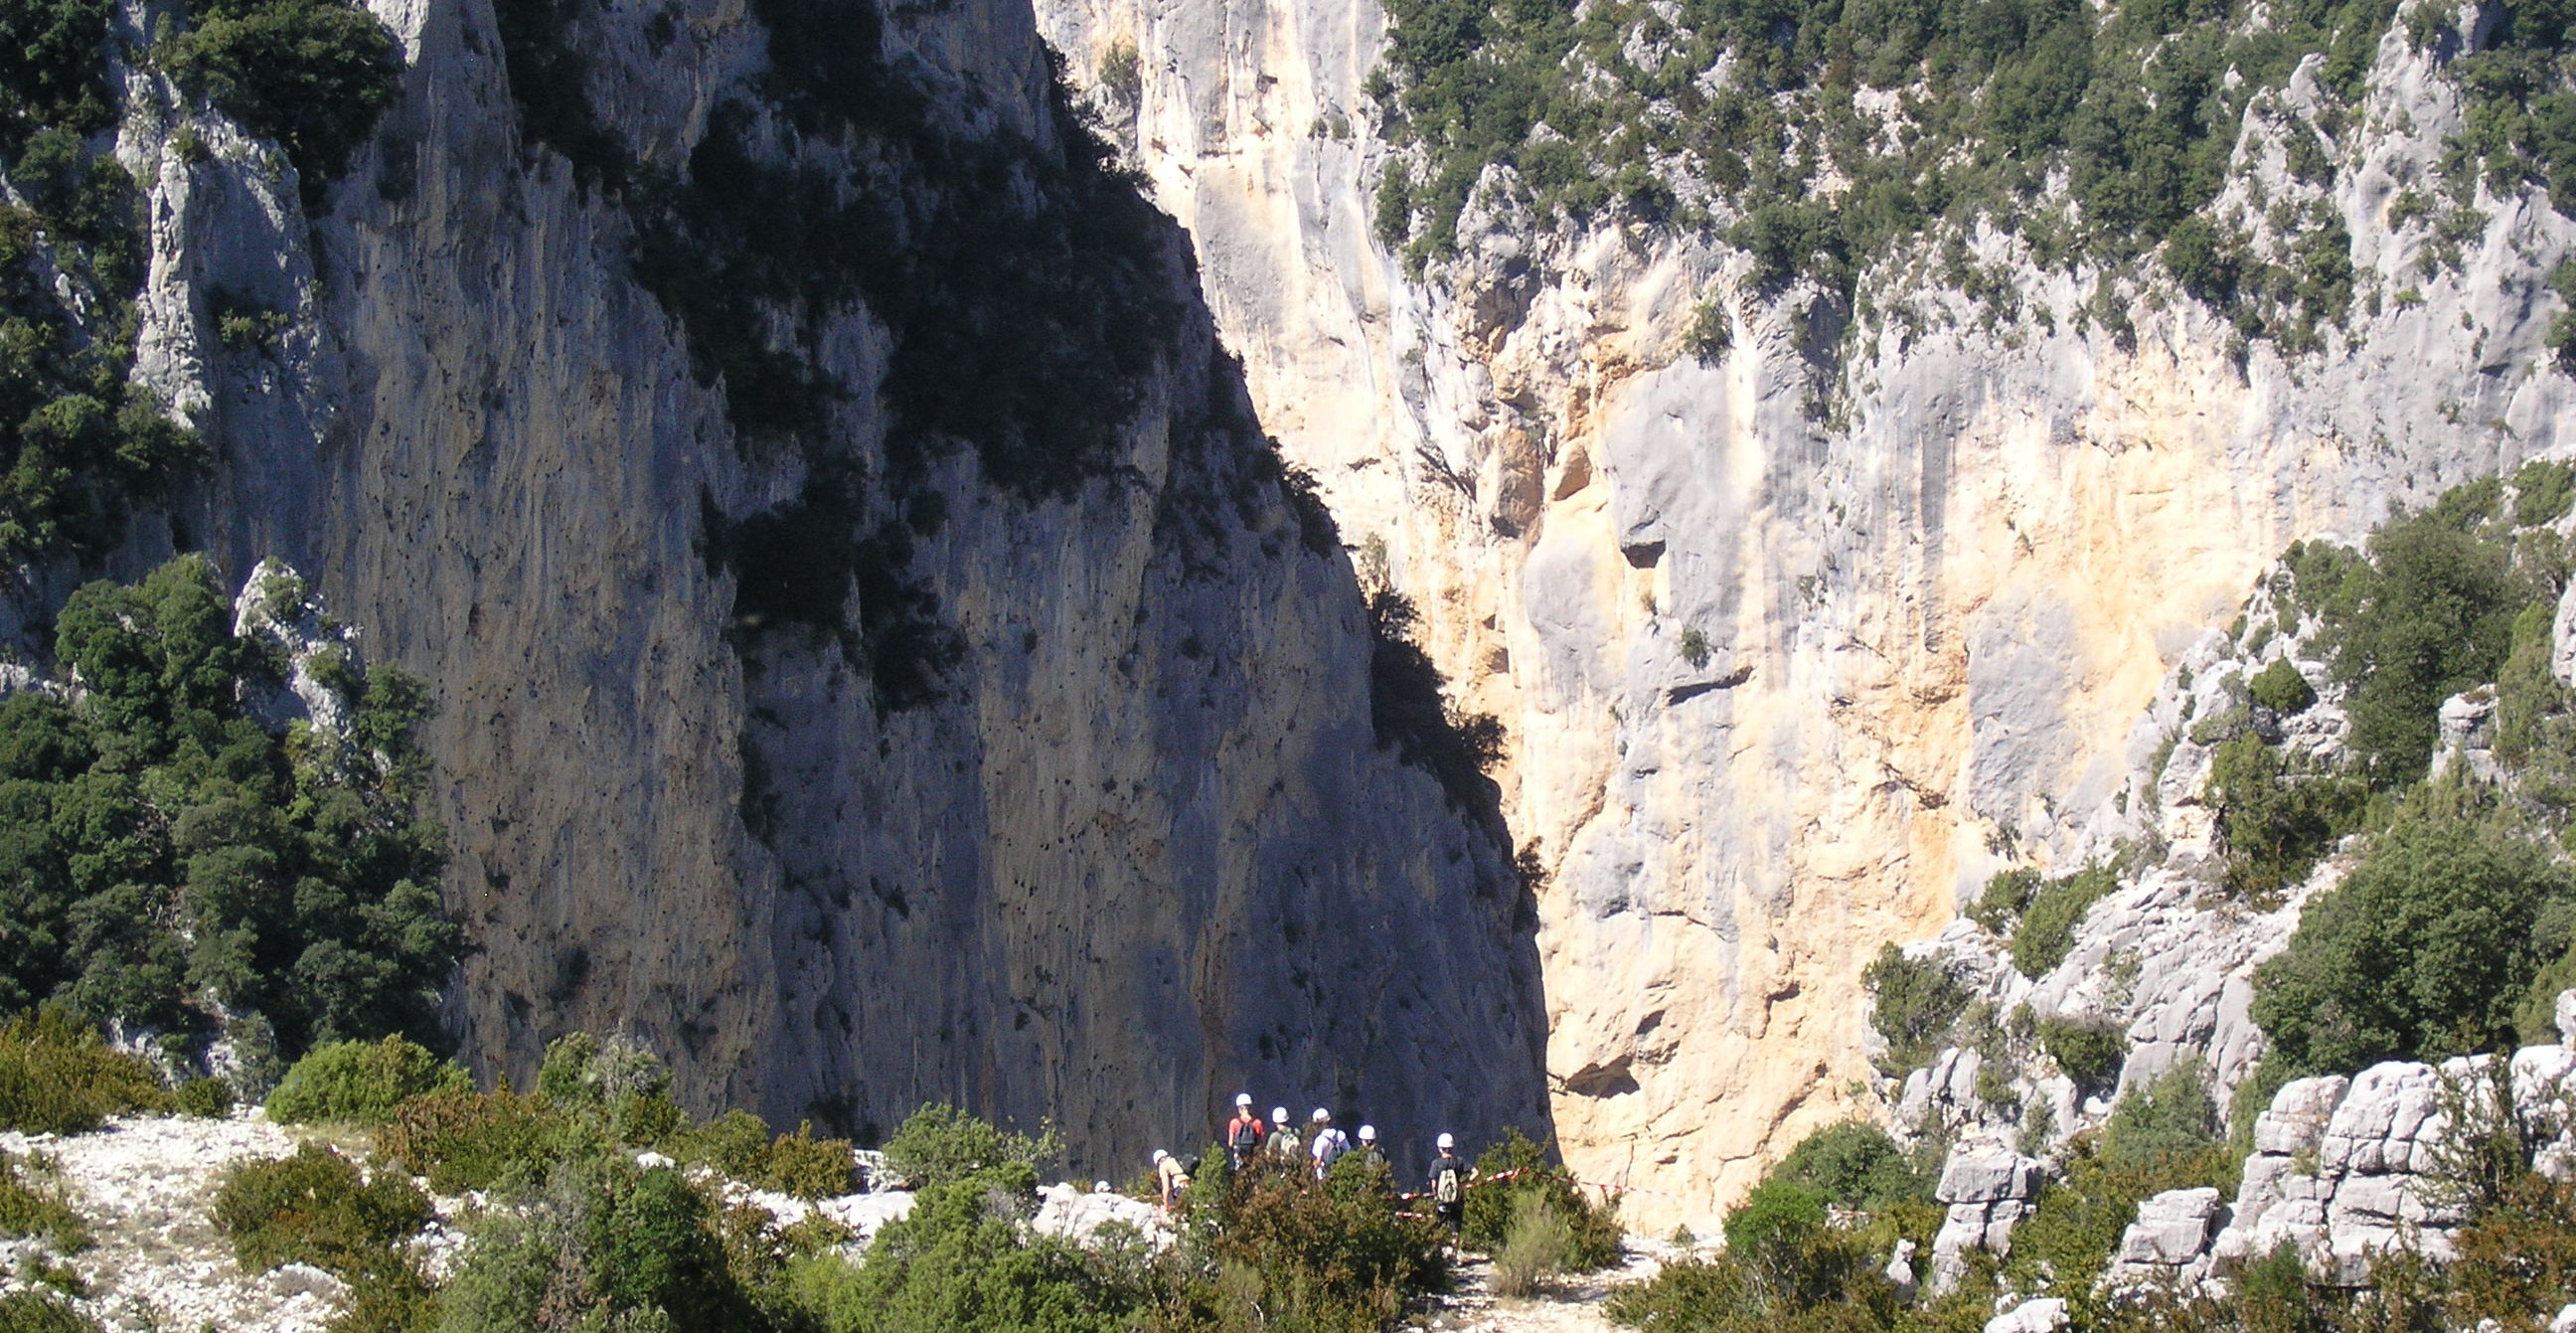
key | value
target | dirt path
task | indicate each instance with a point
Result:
(1574, 1306)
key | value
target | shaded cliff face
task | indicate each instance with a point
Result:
(878, 660)
(1793, 655)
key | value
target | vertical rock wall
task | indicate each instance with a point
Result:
(1783, 683)
(1142, 849)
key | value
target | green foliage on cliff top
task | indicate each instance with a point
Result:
(1617, 110)
(360, 1083)
(158, 846)
(1913, 1004)
(311, 74)
(58, 1076)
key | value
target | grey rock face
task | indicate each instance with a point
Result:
(2340, 1168)
(2467, 735)
(1143, 846)
(2045, 1315)
(1987, 1194)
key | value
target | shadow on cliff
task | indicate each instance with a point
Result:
(1019, 303)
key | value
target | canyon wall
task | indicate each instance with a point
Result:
(846, 765)
(1791, 660)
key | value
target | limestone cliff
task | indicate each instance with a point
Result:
(1791, 658)
(858, 675)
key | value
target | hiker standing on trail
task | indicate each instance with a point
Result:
(1450, 1177)
(1330, 1143)
(1368, 1145)
(1171, 1176)
(1283, 1137)
(1244, 1133)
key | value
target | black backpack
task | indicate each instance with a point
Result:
(1247, 1134)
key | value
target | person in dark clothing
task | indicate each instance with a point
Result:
(1244, 1134)
(1447, 1190)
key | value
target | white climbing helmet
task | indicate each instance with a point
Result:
(1446, 1143)
(1159, 1155)
(1322, 1116)
(1279, 1116)
(1368, 1133)
(1243, 1099)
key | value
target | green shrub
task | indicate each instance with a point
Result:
(205, 1098)
(2424, 951)
(1853, 1165)
(737, 1143)
(2169, 1120)
(361, 1082)
(1712, 331)
(2047, 932)
(2276, 815)
(2062, 1246)
(598, 1243)
(482, 1141)
(2543, 492)
(2528, 695)
(317, 1208)
(806, 1167)
(177, 865)
(2006, 894)
(2535, 1020)
(2430, 613)
(1339, 1257)
(2089, 1053)
(58, 1076)
(29, 1209)
(42, 1312)
(1517, 1166)
(1913, 1004)
(311, 74)
(1536, 1246)
(941, 1143)
(2282, 689)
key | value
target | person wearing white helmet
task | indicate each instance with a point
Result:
(1450, 1176)
(1284, 1141)
(1368, 1145)
(1170, 1176)
(1244, 1133)
(1329, 1142)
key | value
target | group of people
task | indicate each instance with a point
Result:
(1247, 1137)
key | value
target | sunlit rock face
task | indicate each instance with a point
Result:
(1787, 670)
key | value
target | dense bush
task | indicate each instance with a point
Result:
(2425, 950)
(53, 68)
(1853, 1165)
(205, 1098)
(2428, 614)
(2047, 931)
(42, 1312)
(1516, 1166)
(481, 1140)
(1913, 1003)
(58, 1076)
(163, 847)
(361, 1082)
(316, 1207)
(599, 1243)
(941, 1143)
(1785, 1268)
(2089, 1053)
(2281, 688)
(29, 1208)
(2169, 1120)
(311, 74)
(2006, 894)
(1536, 1247)
(2277, 814)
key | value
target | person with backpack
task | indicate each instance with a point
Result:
(1450, 1177)
(1283, 1137)
(1243, 1134)
(1329, 1143)
(1368, 1145)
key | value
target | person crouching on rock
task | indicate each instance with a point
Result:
(1170, 1176)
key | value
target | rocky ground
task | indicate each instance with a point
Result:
(1574, 1305)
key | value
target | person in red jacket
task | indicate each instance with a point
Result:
(1244, 1134)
